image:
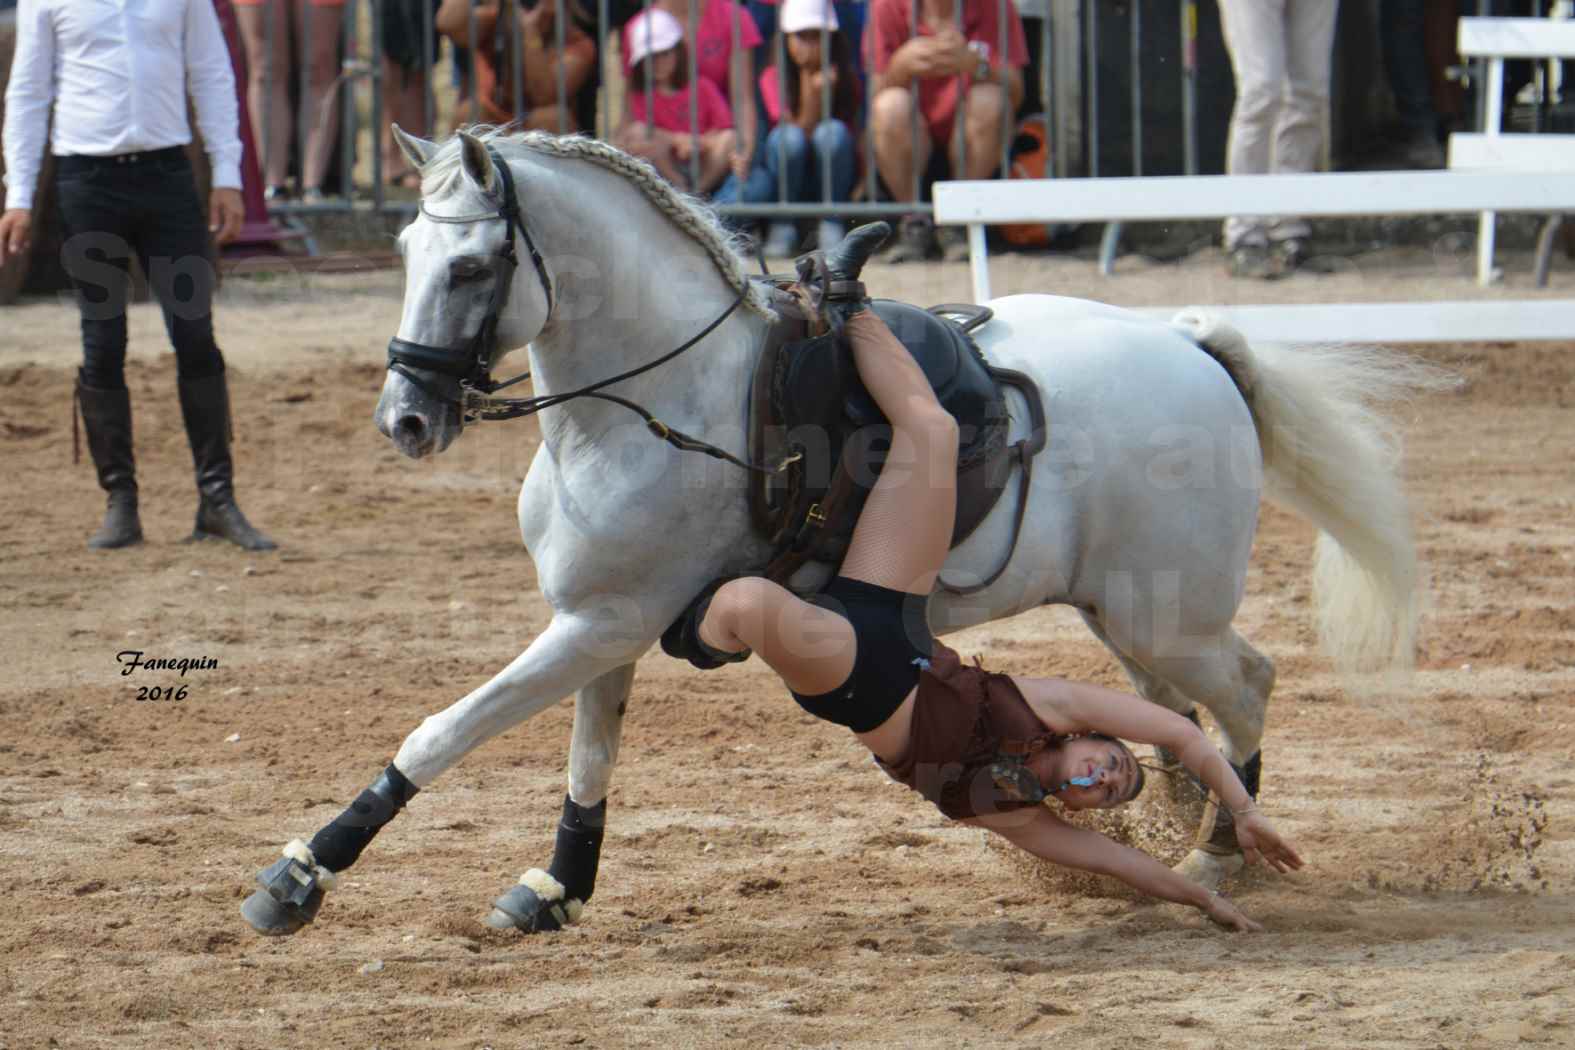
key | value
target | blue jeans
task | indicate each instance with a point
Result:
(788, 151)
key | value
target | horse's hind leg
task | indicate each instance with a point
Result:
(1233, 680)
(1230, 678)
(1185, 790)
(551, 899)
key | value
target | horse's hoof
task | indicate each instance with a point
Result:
(536, 905)
(272, 919)
(1209, 870)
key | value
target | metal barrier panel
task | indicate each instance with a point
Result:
(422, 62)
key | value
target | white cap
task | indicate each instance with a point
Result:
(796, 15)
(651, 32)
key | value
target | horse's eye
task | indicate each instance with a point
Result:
(464, 273)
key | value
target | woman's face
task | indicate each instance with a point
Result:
(1111, 766)
(803, 47)
(664, 67)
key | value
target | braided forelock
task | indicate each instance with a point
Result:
(440, 176)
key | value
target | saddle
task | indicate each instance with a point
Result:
(807, 399)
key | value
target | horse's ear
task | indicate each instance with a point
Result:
(475, 162)
(417, 151)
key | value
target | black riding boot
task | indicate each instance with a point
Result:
(830, 279)
(846, 260)
(205, 405)
(106, 414)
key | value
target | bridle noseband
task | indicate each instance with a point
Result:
(469, 367)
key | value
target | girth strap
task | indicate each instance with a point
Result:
(1023, 451)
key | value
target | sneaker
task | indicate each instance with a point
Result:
(829, 234)
(1423, 152)
(1251, 260)
(915, 241)
(954, 243)
(1288, 256)
(782, 241)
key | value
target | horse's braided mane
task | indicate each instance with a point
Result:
(439, 176)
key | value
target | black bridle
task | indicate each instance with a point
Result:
(468, 368)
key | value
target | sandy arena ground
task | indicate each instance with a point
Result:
(762, 884)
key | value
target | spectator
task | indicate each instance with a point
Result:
(694, 157)
(1280, 53)
(273, 30)
(539, 60)
(1400, 33)
(955, 63)
(808, 135)
(123, 183)
(719, 25)
(406, 65)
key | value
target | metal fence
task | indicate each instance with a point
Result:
(368, 85)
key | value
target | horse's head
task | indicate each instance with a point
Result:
(469, 296)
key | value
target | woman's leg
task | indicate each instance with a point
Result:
(811, 649)
(905, 529)
(833, 146)
(404, 103)
(320, 111)
(265, 33)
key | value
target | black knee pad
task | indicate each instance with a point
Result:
(338, 845)
(682, 639)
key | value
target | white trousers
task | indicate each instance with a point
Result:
(1280, 52)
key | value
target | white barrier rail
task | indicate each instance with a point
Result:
(1497, 39)
(1518, 321)
(1171, 198)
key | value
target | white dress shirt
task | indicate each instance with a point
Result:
(117, 72)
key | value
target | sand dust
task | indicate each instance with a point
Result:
(762, 884)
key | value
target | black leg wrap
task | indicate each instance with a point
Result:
(1250, 773)
(337, 846)
(578, 849)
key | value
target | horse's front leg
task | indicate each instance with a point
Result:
(552, 899)
(563, 658)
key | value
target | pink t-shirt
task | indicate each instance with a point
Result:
(713, 40)
(768, 93)
(670, 109)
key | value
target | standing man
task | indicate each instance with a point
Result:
(1280, 51)
(962, 65)
(117, 73)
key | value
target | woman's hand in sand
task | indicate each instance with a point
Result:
(1261, 844)
(1219, 909)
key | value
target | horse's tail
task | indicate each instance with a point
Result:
(1332, 455)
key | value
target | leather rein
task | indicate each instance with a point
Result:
(467, 369)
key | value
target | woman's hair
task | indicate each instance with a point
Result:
(640, 72)
(844, 97)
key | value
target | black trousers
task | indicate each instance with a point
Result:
(142, 204)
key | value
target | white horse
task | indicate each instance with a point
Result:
(1162, 440)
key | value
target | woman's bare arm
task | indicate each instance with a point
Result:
(1045, 835)
(1078, 707)
(1081, 707)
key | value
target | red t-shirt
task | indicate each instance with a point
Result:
(713, 40)
(889, 28)
(670, 109)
